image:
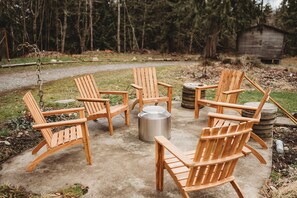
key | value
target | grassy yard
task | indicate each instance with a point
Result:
(86, 59)
(12, 106)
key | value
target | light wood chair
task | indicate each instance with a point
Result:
(228, 90)
(210, 165)
(54, 142)
(218, 120)
(146, 85)
(98, 107)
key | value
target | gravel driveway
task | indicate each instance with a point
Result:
(28, 78)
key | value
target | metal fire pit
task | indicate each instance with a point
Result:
(154, 121)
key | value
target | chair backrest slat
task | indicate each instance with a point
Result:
(222, 144)
(147, 79)
(229, 80)
(87, 88)
(37, 116)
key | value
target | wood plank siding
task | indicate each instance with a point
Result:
(263, 41)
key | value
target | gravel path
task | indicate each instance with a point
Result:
(28, 78)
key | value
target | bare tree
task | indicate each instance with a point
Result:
(23, 11)
(82, 24)
(119, 26)
(64, 26)
(91, 23)
(134, 40)
(143, 25)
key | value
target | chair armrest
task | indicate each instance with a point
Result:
(174, 150)
(231, 117)
(164, 84)
(63, 111)
(58, 124)
(93, 100)
(233, 91)
(123, 93)
(136, 86)
(207, 87)
(234, 106)
(114, 92)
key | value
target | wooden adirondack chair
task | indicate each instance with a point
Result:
(218, 120)
(98, 107)
(146, 85)
(228, 90)
(210, 165)
(76, 134)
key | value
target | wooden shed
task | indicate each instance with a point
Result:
(263, 41)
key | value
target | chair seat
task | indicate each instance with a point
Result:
(113, 109)
(66, 135)
(180, 171)
(178, 168)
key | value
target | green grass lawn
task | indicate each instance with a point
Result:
(84, 60)
(12, 106)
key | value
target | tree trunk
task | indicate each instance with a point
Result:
(191, 41)
(25, 33)
(57, 25)
(40, 35)
(119, 27)
(35, 16)
(210, 50)
(12, 38)
(125, 31)
(82, 24)
(64, 28)
(48, 19)
(91, 23)
(134, 40)
(143, 25)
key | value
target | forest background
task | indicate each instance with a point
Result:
(167, 26)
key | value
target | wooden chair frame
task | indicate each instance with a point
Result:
(217, 119)
(210, 165)
(54, 142)
(146, 85)
(228, 90)
(98, 107)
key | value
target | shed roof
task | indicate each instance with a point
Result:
(259, 26)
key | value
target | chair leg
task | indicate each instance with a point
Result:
(220, 109)
(127, 117)
(196, 110)
(134, 103)
(109, 118)
(259, 140)
(49, 152)
(159, 166)
(197, 96)
(169, 106)
(256, 154)
(86, 144)
(41, 157)
(38, 147)
(140, 107)
(169, 102)
(185, 194)
(237, 189)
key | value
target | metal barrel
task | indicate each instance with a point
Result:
(154, 121)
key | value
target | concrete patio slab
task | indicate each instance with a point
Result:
(124, 166)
